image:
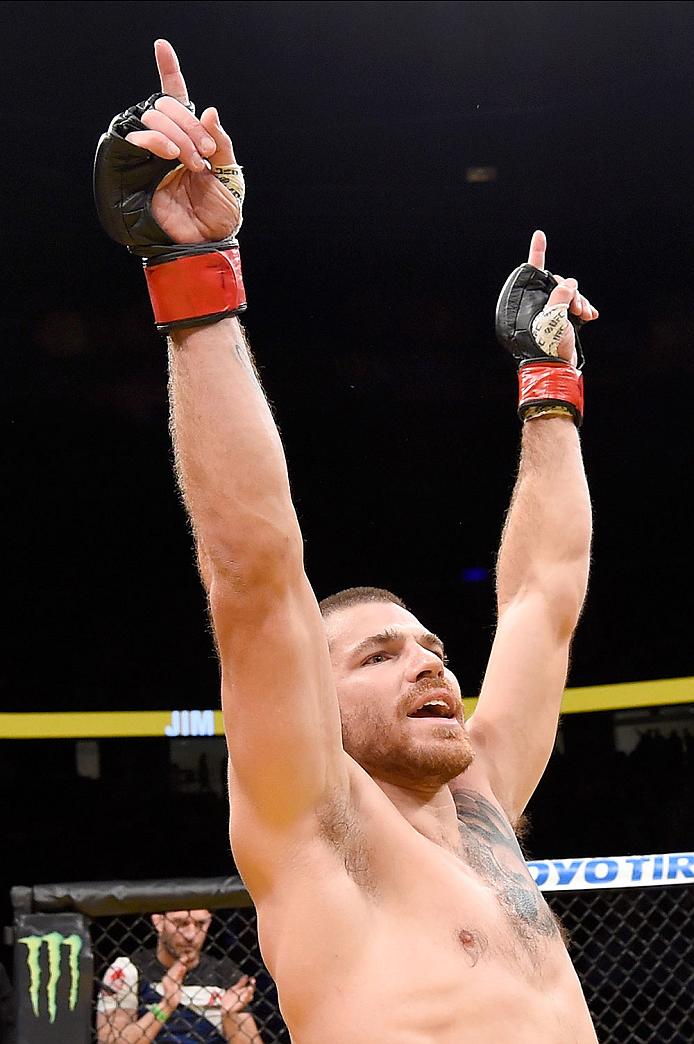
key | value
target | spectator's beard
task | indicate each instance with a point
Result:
(178, 953)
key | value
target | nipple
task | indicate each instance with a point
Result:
(474, 945)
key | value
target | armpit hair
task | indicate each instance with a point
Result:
(340, 827)
(521, 829)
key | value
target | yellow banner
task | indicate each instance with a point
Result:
(623, 696)
(208, 722)
(111, 724)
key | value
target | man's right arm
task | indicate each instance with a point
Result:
(280, 708)
(279, 701)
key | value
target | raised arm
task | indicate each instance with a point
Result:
(542, 576)
(280, 708)
(279, 702)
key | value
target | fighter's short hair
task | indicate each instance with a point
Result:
(357, 596)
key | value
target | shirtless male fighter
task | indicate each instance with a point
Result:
(372, 826)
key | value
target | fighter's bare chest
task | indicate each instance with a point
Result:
(410, 922)
(474, 891)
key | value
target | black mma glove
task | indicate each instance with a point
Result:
(190, 284)
(530, 332)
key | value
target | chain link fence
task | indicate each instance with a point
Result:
(633, 950)
(632, 946)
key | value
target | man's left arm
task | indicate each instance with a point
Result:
(542, 577)
(241, 1029)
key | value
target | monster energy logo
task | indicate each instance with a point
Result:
(54, 941)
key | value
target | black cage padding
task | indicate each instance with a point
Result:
(54, 976)
(114, 898)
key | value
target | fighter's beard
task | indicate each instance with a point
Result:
(388, 752)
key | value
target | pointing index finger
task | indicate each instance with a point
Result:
(170, 74)
(538, 246)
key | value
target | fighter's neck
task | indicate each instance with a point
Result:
(431, 812)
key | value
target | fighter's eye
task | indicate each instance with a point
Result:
(378, 657)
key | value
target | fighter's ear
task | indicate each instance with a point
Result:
(157, 920)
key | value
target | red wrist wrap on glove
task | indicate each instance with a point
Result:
(196, 289)
(545, 382)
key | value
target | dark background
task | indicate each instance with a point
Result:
(372, 268)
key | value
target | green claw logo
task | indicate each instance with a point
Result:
(54, 941)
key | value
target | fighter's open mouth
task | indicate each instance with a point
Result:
(433, 709)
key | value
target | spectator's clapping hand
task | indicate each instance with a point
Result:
(238, 996)
(172, 982)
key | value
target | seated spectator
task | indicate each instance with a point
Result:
(176, 994)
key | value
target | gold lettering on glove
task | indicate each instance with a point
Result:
(548, 411)
(232, 178)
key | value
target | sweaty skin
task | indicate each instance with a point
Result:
(394, 906)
